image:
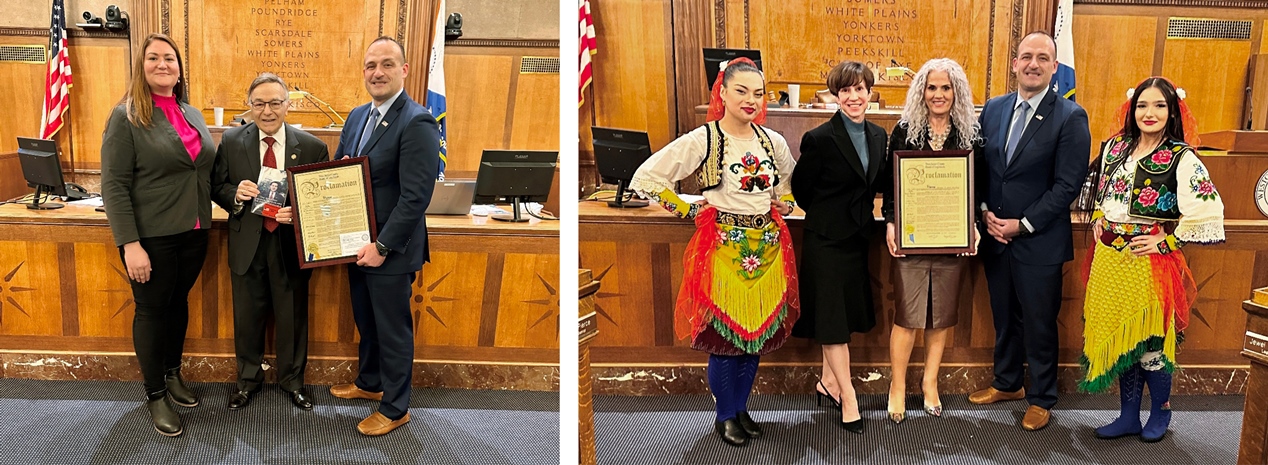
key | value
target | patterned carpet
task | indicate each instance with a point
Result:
(679, 430)
(103, 422)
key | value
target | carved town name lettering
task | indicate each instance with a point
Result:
(872, 33)
(282, 40)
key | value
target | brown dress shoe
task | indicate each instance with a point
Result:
(351, 391)
(1036, 418)
(377, 424)
(991, 395)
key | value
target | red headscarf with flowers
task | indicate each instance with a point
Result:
(717, 109)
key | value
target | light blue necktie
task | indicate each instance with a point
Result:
(1014, 135)
(369, 129)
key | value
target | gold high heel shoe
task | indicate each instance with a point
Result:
(932, 410)
(896, 416)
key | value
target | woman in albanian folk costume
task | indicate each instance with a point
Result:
(739, 290)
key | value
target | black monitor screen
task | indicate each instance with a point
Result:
(504, 174)
(40, 165)
(713, 58)
(619, 152)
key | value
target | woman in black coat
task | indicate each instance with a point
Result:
(843, 165)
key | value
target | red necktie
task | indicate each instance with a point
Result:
(270, 161)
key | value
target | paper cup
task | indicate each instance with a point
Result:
(220, 115)
(794, 95)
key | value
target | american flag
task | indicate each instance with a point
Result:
(589, 46)
(57, 83)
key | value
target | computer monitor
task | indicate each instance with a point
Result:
(713, 58)
(42, 170)
(618, 154)
(515, 176)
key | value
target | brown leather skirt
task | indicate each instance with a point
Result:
(927, 290)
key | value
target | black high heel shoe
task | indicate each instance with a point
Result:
(832, 401)
(855, 426)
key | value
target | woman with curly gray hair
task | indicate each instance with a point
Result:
(938, 115)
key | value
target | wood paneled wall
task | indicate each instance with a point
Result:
(100, 66)
(637, 257)
(648, 73)
(634, 72)
(12, 184)
(35, 14)
(20, 95)
(317, 46)
(489, 294)
(634, 76)
(492, 105)
(801, 40)
(1117, 44)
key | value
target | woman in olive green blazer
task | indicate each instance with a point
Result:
(156, 160)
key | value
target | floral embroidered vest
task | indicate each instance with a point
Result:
(709, 174)
(1154, 191)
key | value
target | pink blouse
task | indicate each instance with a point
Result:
(190, 137)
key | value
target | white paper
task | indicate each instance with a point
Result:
(91, 202)
(350, 243)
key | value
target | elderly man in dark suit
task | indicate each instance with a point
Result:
(402, 141)
(262, 254)
(1034, 162)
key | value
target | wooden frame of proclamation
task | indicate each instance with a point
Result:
(933, 201)
(334, 210)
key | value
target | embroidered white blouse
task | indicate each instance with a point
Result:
(748, 174)
(1201, 208)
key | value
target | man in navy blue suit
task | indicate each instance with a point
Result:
(1032, 168)
(402, 141)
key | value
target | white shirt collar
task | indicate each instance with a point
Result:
(388, 103)
(279, 147)
(1034, 101)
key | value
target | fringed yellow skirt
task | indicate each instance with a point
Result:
(1131, 308)
(739, 289)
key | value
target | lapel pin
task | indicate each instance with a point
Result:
(384, 124)
(293, 156)
(1039, 117)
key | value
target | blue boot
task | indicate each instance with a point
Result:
(1160, 410)
(1130, 386)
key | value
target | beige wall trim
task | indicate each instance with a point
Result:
(511, 43)
(1196, 3)
(43, 32)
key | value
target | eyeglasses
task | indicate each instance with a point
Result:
(275, 105)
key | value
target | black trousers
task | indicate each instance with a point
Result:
(162, 303)
(1025, 301)
(380, 307)
(268, 288)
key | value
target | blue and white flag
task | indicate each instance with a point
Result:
(1063, 82)
(436, 85)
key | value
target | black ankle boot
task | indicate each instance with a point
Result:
(731, 431)
(181, 394)
(166, 421)
(751, 428)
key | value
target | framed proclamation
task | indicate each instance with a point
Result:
(334, 210)
(933, 201)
